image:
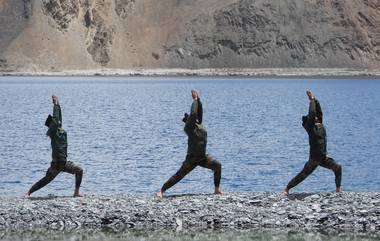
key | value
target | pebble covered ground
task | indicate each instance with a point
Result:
(232, 211)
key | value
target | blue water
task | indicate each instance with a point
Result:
(127, 134)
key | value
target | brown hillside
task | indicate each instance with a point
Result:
(54, 35)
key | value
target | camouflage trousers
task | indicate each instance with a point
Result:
(189, 164)
(312, 164)
(55, 168)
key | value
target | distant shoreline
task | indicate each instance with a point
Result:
(270, 73)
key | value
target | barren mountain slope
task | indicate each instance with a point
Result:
(54, 35)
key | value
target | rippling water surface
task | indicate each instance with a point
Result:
(127, 134)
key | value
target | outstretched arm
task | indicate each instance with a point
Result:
(312, 111)
(57, 113)
(190, 123)
(57, 117)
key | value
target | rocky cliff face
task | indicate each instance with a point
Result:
(263, 33)
(89, 34)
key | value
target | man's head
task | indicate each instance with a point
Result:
(185, 117)
(304, 119)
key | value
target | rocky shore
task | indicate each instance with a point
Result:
(233, 211)
(334, 73)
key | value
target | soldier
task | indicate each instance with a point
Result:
(59, 162)
(318, 143)
(196, 148)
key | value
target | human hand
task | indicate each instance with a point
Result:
(55, 99)
(194, 94)
(310, 95)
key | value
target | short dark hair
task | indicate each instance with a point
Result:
(304, 119)
(185, 117)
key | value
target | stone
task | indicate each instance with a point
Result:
(312, 197)
(181, 52)
(62, 12)
(124, 7)
(196, 212)
(255, 202)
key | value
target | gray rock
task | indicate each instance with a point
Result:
(181, 52)
(348, 211)
(62, 12)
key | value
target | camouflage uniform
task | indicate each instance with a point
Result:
(318, 148)
(196, 149)
(59, 162)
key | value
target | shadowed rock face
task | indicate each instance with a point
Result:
(62, 12)
(101, 38)
(286, 33)
(123, 7)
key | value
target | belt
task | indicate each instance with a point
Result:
(59, 160)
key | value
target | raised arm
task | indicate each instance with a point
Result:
(191, 121)
(57, 113)
(57, 109)
(312, 111)
(56, 120)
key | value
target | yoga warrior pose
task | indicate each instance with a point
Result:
(59, 162)
(318, 143)
(196, 148)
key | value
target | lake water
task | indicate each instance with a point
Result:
(127, 133)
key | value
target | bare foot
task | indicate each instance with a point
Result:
(76, 192)
(218, 191)
(160, 194)
(286, 191)
(338, 189)
(77, 195)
